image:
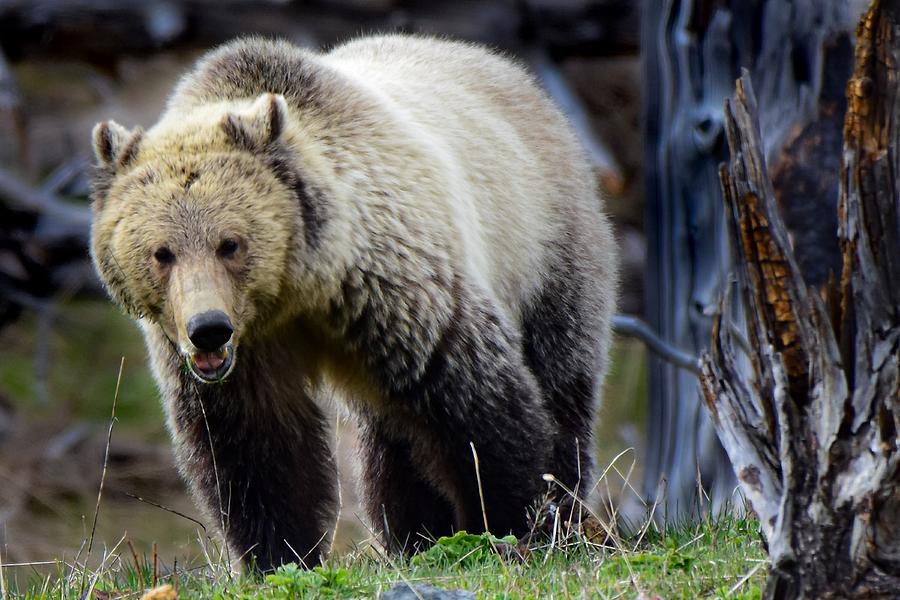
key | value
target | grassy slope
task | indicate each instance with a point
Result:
(712, 559)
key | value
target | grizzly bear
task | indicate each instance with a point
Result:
(409, 221)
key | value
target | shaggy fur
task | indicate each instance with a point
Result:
(417, 226)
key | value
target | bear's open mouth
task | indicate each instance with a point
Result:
(210, 367)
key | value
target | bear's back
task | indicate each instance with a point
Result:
(467, 92)
(246, 68)
(479, 104)
(528, 179)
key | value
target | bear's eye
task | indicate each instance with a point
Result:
(164, 256)
(227, 248)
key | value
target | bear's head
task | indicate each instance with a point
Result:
(194, 223)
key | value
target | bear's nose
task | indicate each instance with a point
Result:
(209, 330)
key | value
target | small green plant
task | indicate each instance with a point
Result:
(462, 549)
(321, 582)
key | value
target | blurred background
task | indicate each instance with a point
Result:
(643, 81)
(66, 65)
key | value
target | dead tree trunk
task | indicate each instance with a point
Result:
(810, 417)
(800, 55)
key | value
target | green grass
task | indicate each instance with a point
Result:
(716, 558)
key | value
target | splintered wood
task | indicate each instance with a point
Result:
(809, 414)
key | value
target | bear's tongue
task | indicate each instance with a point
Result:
(209, 361)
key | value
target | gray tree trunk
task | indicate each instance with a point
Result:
(808, 407)
(799, 54)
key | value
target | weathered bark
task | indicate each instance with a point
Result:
(799, 54)
(810, 417)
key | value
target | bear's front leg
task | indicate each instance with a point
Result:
(255, 451)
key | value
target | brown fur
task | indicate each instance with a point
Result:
(415, 225)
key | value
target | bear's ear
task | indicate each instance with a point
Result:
(261, 125)
(115, 146)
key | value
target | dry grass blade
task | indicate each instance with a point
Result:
(484, 509)
(85, 594)
(155, 579)
(112, 420)
(2, 579)
(746, 578)
(611, 535)
(480, 491)
(387, 558)
(212, 453)
(340, 491)
(137, 563)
